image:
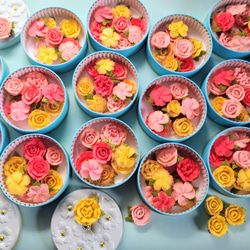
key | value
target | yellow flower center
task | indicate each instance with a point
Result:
(15, 8)
(70, 208)
(1, 238)
(108, 217)
(102, 244)
(3, 212)
(63, 233)
(79, 248)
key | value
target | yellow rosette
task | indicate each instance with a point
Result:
(39, 119)
(84, 86)
(174, 108)
(217, 225)
(122, 10)
(244, 115)
(97, 104)
(54, 180)
(14, 164)
(235, 215)
(104, 65)
(70, 28)
(123, 159)
(47, 55)
(217, 104)
(224, 175)
(178, 28)
(183, 127)
(170, 63)
(107, 174)
(130, 83)
(213, 205)
(53, 109)
(17, 183)
(50, 22)
(198, 47)
(160, 54)
(109, 37)
(243, 179)
(87, 211)
(163, 180)
(148, 168)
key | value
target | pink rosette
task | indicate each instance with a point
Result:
(167, 157)
(5, 28)
(53, 93)
(103, 13)
(54, 155)
(121, 71)
(69, 49)
(240, 43)
(103, 85)
(224, 77)
(160, 40)
(53, 37)
(35, 78)
(214, 88)
(115, 106)
(33, 147)
(31, 94)
(236, 91)
(96, 29)
(38, 168)
(187, 64)
(231, 108)
(38, 194)
(135, 34)
(178, 90)
(236, 9)
(160, 95)
(19, 111)
(37, 28)
(122, 90)
(225, 21)
(13, 86)
(102, 152)
(190, 107)
(225, 39)
(140, 214)
(243, 77)
(123, 42)
(91, 69)
(240, 139)
(242, 158)
(121, 23)
(92, 169)
(89, 137)
(139, 22)
(183, 48)
(246, 99)
(114, 133)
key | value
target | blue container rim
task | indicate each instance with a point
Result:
(4, 135)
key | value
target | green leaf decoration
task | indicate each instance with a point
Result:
(12, 32)
(25, 167)
(134, 156)
(244, 33)
(56, 103)
(90, 180)
(9, 116)
(97, 67)
(10, 96)
(128, 210)
(235, 174)
(222, 87)
(234, 165)
(45, 100)
(248, 18)
(36, 183)
(149, 100)
(95, 197)
(113, 28)
(102, 213)
(132, 44)
(192, 200)
(155, 193)
(179, 158)
(128, 99)
(88, 97)
(211, 96)
(106, 21)
(165, 126)
(231, 138)
(112, 146)
(216, 29)
(115, 81)
(126, 33)
(38, 38)
(234, 82)
(225, 163)
(165, 109)
(51, 189)
(151, 182)
(103, 28)
(179, 66)
(236, 148)
(106, 110)
(168, 192)
(129, 218)
(167, 25)
(141, 17)
(22, 172)
(116, 98)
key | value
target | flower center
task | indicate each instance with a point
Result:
(3, 212)
(1, 238)
(15, 8)
(79, 248)
(102, 244)
(108, 217)
(63, 233)
(70, 208)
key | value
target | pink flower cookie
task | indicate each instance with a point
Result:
(89, 137)
(54, 155)
(69, 48)
(102, 152)
(31, 94)
(160, 40)
(114, 106)
(231, 108)
(157, 121)
(38, 194)
(121, 71)
(236, 9)
(224, 77)
(35, 78)
(33, 147)
(242, 158)
(240, 43)
(225, 21)
(242, 76)
(183, 48)
(140, 214)
(38, 28)
(19, 111)
(122, 90)
(13, 86)
(91, 168)
(135, 34)
(38, 168)
(53, 37)
(241, 139)
(236, 91)
(178, 90)
(5, 28)
(103, 13)
(53, 93)
(190, 108)
(167, 157)
(121, 23)
(160, 95)
(103, 85)
(163, 202)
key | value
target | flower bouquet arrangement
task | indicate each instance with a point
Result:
(231, 26)
(107, 88)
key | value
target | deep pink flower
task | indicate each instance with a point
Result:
(160, 95)
(225, 21)
(103, 85)
(37, 28)
(188, 169)
(102, 152)
(163, 202)
(223, 76)
(53, 92)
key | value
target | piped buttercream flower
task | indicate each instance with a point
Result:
(97, 104)
(217, 104)
(104, 65)
(122, 10)
(35, 78)
(198, 47)
(33, 147)
(54, 155)
(183, 126)
(140, 214)
(160, 95)
(183, 48)
(235, 215)
(231, 108)
(70, 28)
(190, 107)
(170, 63)
(163, 180)
(163, 202)
(236, 91)
(39, 119)
(243, 179)
(107, 174)
(68, 50)
(224, 175)
(225, 21)
(53, 92)
(135, 34)
(102, 13)
(54, 109)
(84, 86)
(54, 181)
(122, 90)
(91, 168)
(217, 225)
(223, 76)
(160, 40)
(158, 122)
(109, 38)
(19, 111)
(240, 139)
(242, 158)
(39, 194)
(148, 168)
(47, 55)
(167, 157)
(89, 137)
(14, 86)
(178, 28)
(213, 205)
(178, 90)
(38, 28)
(15, 163)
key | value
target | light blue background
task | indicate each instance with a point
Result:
(162, 232)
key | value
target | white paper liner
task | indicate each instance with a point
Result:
(10, 220)
(195, 30)
(17, 147)
(1, 70)
(231, 64)
(194, 92)
(77, 148)
(212, 167)
(201, 182)
(137, 8)
(58, 14)
(52, 78)
(82, 72)
(97, 230)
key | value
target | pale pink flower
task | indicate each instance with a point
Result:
(140, 214)
(35, 78)
(240, 139)
(242, 76)
(231, 108)
(19, 111)
(236, 8)
(240, 43)
(122, 90)
(160, 40)
(91, 168)
(135, 34)
(115, 106)
(178, 90)
(213, 87)
(102, 13)
(69, 50)
(183, 48)
(242, 158)
(156, 121)
(225, 39)
(190, 108)
(39, 194)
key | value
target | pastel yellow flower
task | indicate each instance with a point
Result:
(47, 55)
(198, 47)
(84, 86)
(17, 183)
(54, 180)
(170, 51)
(217, 104)
(243, 179)
(109, 37)
(104, 65)
(224, 175)
(244, 115)
(248, 24)
(14, 164)
(235, 215)
(148, 168)
(213, 205)
(183, 126)
(217, 225)
(70, 28)
(163, 180)
(129, 82)
(178, 28)
(160, 54)
(50, 22)
(87, 211)
(174, 108)
(122, 10)
(53, 109)
(97, 104)
(170, 63)
(123, 159)
(39, 119)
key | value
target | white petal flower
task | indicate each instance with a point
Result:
(15, 8)
(103, 242)
(6, 212)
(110, 219)
(5, 238)
(79, 245)
(67, 208)
(62, 233)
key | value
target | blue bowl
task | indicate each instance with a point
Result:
(144, 108)
(4, 70)
(206, 153)
(137, 7)
(219, 48)
(211, 111)
(16, 147)
(81, 71)
(76, 148)
(4, 137)
(23, 126)
(29, 43)
(202, 182)
(196, 28)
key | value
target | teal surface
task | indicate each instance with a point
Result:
(162, 232)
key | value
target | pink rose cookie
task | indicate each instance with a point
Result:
(54, 155)
(160, 40)
(236, 91)
(167, 157)
(5, 28)
(135, 34)
(103, 13)
(183, 48)
(242, 158)
(89, 137)
(53, 37)
(19, 111)
(178, 90)
(14, 86)
(121, 24)
(31, 94)
(35, 78)
(231, 108)
(120, 71)
(33, 147)
(140, 214)
(102, 152)
(38, 168)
